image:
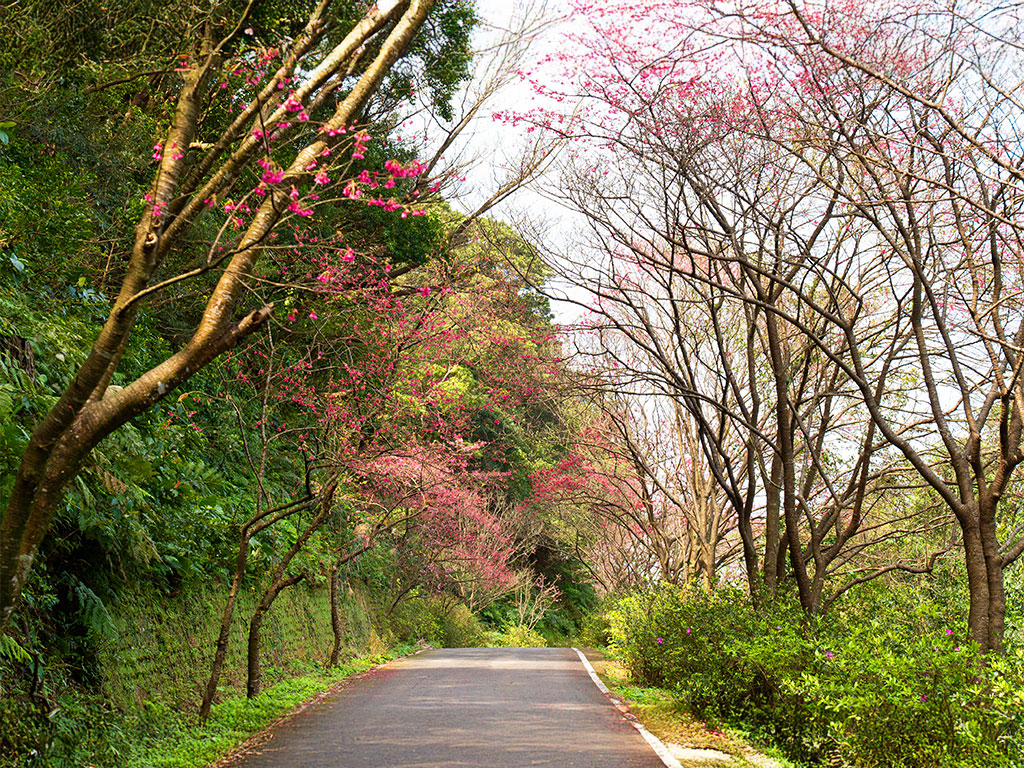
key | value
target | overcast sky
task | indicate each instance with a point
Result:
(498, 141)
(495, 145)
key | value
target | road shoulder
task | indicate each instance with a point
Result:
(689, 740)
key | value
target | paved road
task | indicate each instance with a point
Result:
(466, 708)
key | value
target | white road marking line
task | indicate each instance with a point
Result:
(656, 744)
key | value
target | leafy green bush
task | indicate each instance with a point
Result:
(414, 619)
(669, 635)
(436, 621)
(460, 628)
(522, 637)
(861, 692)
(595, 630)
(907, 700)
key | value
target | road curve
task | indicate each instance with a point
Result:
(465, 708)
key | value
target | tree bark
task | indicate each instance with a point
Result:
(337, 626)
(278, 582)
(224, 636)
(254, 676)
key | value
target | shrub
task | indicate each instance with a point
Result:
(595, 630)
(450, 626)
(460, 628)
(865, 692)
(669, 635)
(415, 619)
(522, 637)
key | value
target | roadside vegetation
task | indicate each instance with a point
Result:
(887, 680)
(268, 402)
(159, 736)
(694, 742)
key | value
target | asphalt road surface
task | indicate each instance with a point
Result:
(465, 707)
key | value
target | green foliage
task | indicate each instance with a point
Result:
(44, 34)
(415, 618)
(150, 651)
(576, 596)
(573, 607)
(443, 624)
(194, 746)
(25, 728)
(459, 628)
(521, 637)
(596, 630)
(11, 651)
(439, 60)
(865, 692)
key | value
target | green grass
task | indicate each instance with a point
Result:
(177, 741)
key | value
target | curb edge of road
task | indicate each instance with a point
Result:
(653, 741)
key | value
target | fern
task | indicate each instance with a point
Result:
(11, 650)
(93, 610)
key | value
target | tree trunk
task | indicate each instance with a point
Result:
(744, 513)
(987, 617)
(786, 454)
(772, 537)
(279, 582)
(225, 628)
(254, 676)
(260, 522)
(337, 626)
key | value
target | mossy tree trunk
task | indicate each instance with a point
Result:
(279, 581)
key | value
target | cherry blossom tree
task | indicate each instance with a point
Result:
(716, 271)
(293, 129)
(642, 508)
(849, 175)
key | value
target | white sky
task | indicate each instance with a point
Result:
(494, 143)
